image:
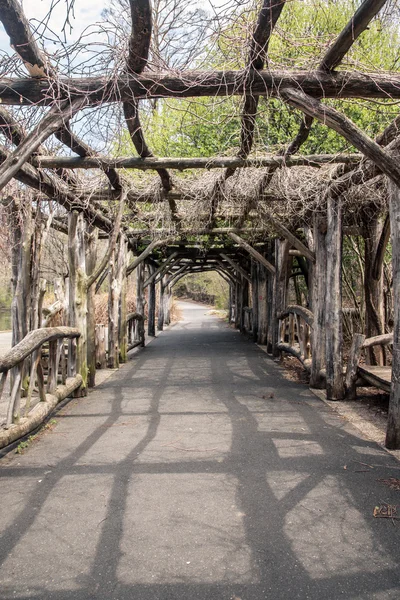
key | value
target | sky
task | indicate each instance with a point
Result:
(86, 13)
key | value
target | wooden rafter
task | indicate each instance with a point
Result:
(191, 84)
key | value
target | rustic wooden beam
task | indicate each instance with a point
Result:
(139, 259)
(21, 38)
(143, 164)
(56, 189)
(357, 24)
(139, 41)
(345, 127)
(69, 139)
(393, 426)
(267, 18)
(282, 230)
(236, 266)
(333, 302)
(48, 125)
(191, 84)
(160, 269)
(252, 251)
(354, 28)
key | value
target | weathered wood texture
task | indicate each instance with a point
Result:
(77, 296)
(333, 302)
(191, 84)
(143, 164)
(393, 428)
(318, 299)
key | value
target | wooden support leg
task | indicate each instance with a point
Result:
(254, 297)
(262, 327)
(122, 325)
(333, 303)
(77, 297)
(160, 320)
(91, 257)
(318, 294)
(280, 287)
(151, 324)
(393, 426)
(116, 273)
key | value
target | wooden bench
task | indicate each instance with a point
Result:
(376, 376)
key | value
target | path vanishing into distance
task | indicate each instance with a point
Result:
(198, 472)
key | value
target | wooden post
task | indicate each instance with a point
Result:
(393, 426)
(270, 300)
(244, 301)
(318, 294)
(122, 253)
(117, 273)
(238, 304)
(262, 326)
(167, 302)
(254, 297)
(281, 279)
(77, 298)
(151, 324)
(352, 365)
(160, 320)
(333, 302)
(91, 257)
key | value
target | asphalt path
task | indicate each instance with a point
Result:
(199, 472)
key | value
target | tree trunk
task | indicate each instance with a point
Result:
(333, 303)
(373, 287)
(91, 257)
(393, 426)
(122, 251)
(318, 297)
(281, 280)
(151, 324)
(77, 297)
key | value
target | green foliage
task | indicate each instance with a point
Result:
(207, 127)
(204, 284)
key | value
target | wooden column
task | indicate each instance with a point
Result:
(91, 257)
(160, 319)
(122, 254)
(117, 273)
(238, 304)
(393, 427)
(151, 323)
(281, 280)
(333, 302)
(318, 297)
(254, 297)
(167, 302)
(262, 325)
(270, 299)
(373, 285)
(77, 296)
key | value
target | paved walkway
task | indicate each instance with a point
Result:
(198, 472)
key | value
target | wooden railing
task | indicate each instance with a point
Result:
(295, 324)
(374, 375)
(135, 330)
(39, 367)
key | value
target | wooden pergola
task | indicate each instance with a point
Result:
(251, 247)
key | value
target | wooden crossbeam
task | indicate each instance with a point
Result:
(48, 125)
(143, 164)
(252, 252)
(354, 28)
(345, 127)
(191, 84)
(139, 259)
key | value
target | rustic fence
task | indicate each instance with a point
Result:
(295, 325)
(42, 371)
